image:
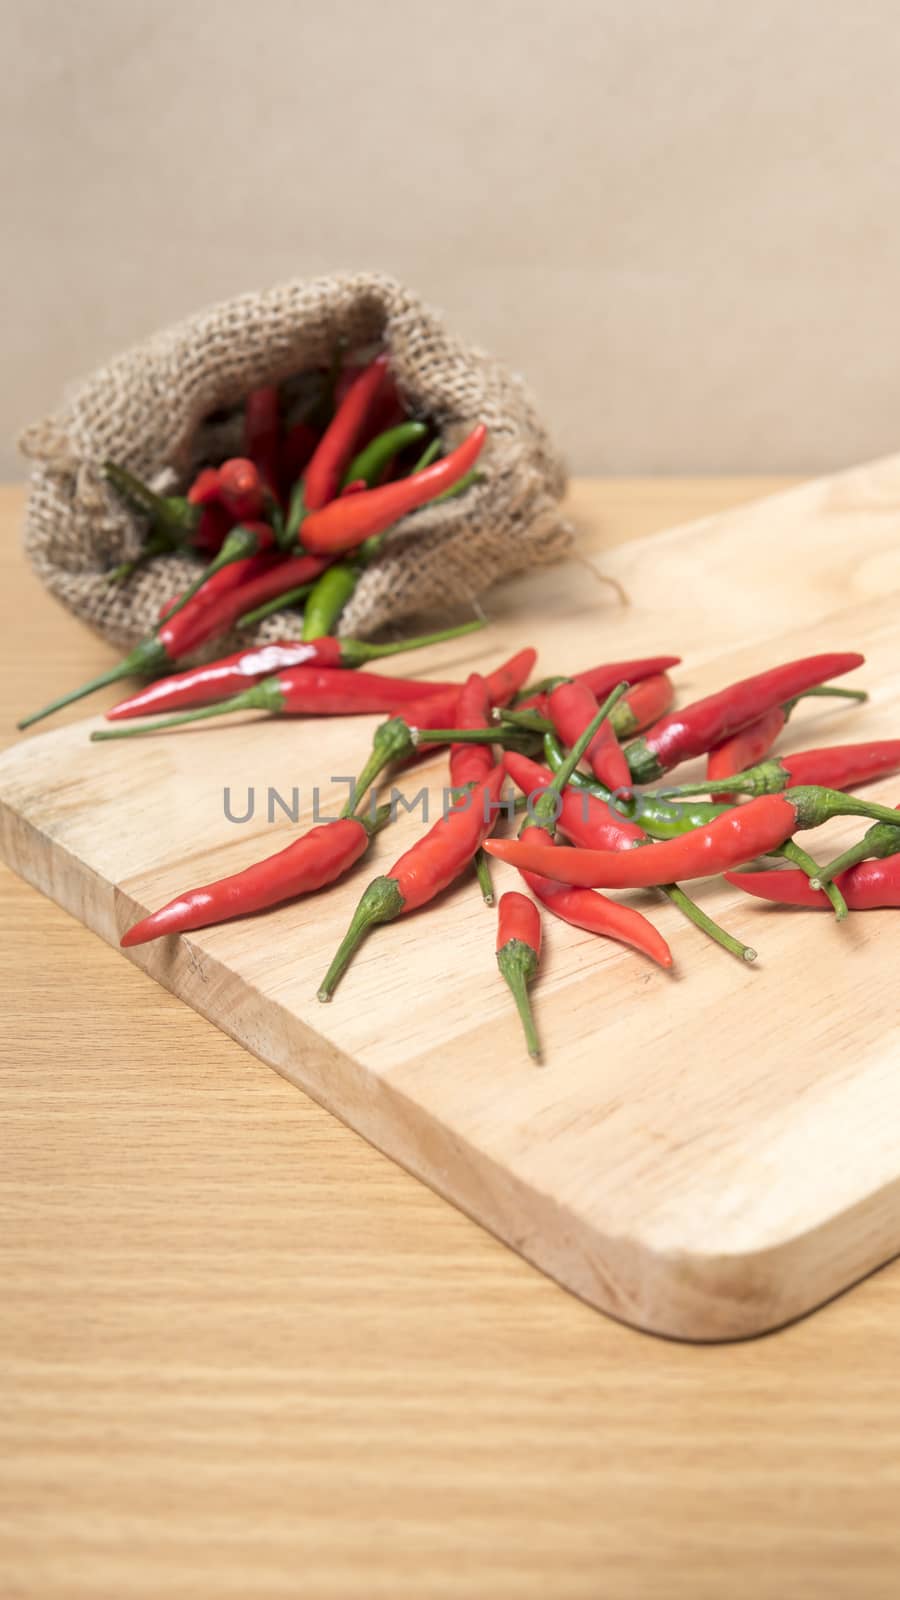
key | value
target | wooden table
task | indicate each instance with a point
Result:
(242, 1354)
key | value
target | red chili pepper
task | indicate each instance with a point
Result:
(643, 705)
(603, 678)
(349, 521)
(572, 706)
(518, 955)
(178, 634)
(754, 829)
(262, 433)
(318, 858)
(219, 680)
(241, 489)
(206, 489)
(833, 767)
(596, 913)
(471, 763)
(221, 582)
(746, 748)
(867, 887)
(696, 729)
(589, 822)
(298, 691)
(583, 817)
(322, 479)
(422, 872)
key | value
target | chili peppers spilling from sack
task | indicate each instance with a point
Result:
(295, 518)
(602, 733)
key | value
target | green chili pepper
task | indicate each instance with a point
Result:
(327, 599)
(372, 461)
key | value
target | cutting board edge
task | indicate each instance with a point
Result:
(674, 1294)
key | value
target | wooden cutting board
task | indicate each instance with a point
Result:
(707, 1154)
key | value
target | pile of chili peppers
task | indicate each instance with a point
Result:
(581, 751)
(324, 476)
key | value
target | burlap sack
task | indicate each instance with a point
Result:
(150, 410)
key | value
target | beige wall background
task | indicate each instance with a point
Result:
(680, 218)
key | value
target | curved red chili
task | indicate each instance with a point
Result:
(572, 706)
(518, 955)
(348, 521)
(297, 691)
(422, 872)
(750, 830)
(219, 680)
(322, 479)
(320, 857)
(694, 730)
(596, 913)
(754, 829)
(870, 886)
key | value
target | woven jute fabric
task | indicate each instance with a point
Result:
(158, 408)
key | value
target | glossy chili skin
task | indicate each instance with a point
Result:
(843, 766)
(471, 763)
(697, 728)
(603, 678)
(436, 860)
(218, 680)
(518, 918)
(740, 834)
(746, 747)
(596, 913)
(349, 521)
(332, 691)
(309, 863)
(572, 706)
(869, 886)
(322, 479)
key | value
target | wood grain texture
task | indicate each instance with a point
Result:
(244, 1353)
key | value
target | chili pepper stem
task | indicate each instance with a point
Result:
(393, 740)
(258, 698)
(355, 652)
(148, 657)
(280, 603)
(791, 851)
(381, 902)
(705, 923)
(518, 965)
(144, 499)
(879, 841)
(483, 874)
(815, 805)
(826, 690)
(239, 544)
